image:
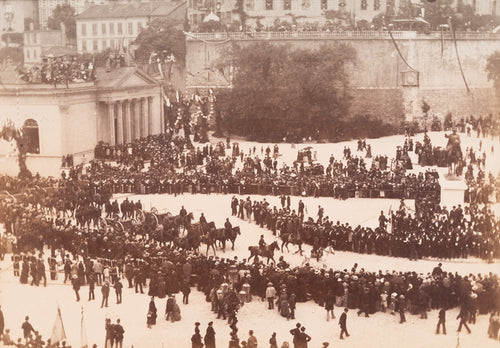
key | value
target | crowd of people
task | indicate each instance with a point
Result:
(62, 215)
(171, 170)
(60, 70)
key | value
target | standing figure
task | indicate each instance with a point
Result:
(463, 316)
(442, 321)
(105, 293)
(343, 324)
(118, 333)
(210, 336)
(151, 320)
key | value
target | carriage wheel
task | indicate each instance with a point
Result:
(101, 223)
(140, 216)
(155, 219)
(154, 210)
(118, 227)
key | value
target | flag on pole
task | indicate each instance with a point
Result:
(389, 225)
(83, 334)
(167, 101)
(58, 333)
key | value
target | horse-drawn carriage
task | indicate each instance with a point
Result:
(140, 219)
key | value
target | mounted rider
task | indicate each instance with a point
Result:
(182, 216)
(453, 150)
(228, 227)
(262, 243)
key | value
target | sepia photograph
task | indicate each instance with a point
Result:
(250, 173)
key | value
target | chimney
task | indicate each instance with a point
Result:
(63, 34)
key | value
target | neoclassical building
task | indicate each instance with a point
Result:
(121, 105)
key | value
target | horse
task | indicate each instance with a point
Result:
(222, 235)
(288, 238)
(266, 251)
(453, 158)
(209, 241)
(231, 235)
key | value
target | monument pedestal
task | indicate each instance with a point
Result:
(452, 190)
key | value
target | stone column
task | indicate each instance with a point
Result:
(150, 115)
(137, 119)
(111, 122)
(127, 128)
(145, 117)
(119, 123)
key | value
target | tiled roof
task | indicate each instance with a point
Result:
(127, 10)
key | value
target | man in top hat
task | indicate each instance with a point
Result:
(210, 336)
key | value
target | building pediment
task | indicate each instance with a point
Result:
(126, 77)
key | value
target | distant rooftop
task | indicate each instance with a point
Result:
(127, 10)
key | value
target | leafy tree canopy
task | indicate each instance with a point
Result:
(493, 69)
(63, 14)
(161, 35)
(278, 90)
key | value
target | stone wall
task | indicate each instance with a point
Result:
(378, 103)
(376, 77)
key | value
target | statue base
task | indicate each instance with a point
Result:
(452, 190)
(452, 177)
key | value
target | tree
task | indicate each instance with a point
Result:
(63, 14)
(283, 92)
(493, 69)
(161, 35)
(9, 132)
(438, 12)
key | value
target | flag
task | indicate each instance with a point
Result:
(389, 225)
(83, 334)
(58, 333)
(167, 101)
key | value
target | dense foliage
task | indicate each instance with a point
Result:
(282, 92)
(493, 69)
(161, 35)
(63, 14)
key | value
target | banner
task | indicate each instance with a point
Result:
(58, 333)
(83, 334)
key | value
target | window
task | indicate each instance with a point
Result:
(34, 53)
(324, 4)
(139, 27)
(111, 28)
(103, 44)
(84, 46)
(364, 4)
(306, 4)
(103, 28)
(269, 5)
(249, 5)
(287, 5)
(112, 44)
(27, 54)
(376, 5)
(31, 136)
(94, 29)
(120, 28)
(130, 28)
(84, 29)
(95, 46)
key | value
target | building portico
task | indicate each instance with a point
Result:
(120, 106)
